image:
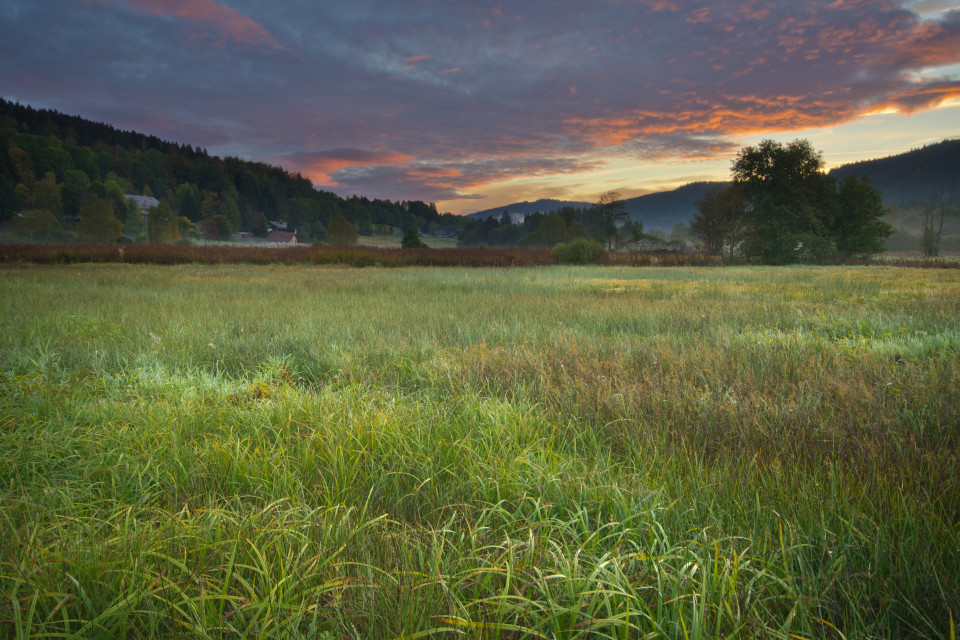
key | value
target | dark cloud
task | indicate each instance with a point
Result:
(445, 180)
(435, 100)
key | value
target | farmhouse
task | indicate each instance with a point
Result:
(446, 231)
(282, 237)
(144, 202)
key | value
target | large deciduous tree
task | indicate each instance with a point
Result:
(46, 195)
(606, 215)
(341, 232)
(857, 227)
(75, 186)
(163, 224)
(190, 202)
(795, 211)
(791, 201)
(97, 222)
(22, 165)
(721, 222)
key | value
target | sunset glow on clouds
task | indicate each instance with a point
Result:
(228, 23)
(472, 104)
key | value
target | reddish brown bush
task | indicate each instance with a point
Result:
(371, 256)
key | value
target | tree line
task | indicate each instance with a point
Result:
(606, 222)
(63, 177)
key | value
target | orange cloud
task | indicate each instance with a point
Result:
(921, 98)
(700, 15)
(734, 116)
(743, 115)
(208, 13)
(660, 5)
(419, 58)
(751, 11)
(321, 166)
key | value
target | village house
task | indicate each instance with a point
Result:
(144, 202)
(446, 231)
(282, 237)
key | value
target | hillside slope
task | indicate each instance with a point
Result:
(913, 175)
(52, 163)
(661, 211)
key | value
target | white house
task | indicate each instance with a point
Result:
(144, 202)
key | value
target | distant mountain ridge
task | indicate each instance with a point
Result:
(912, 175)
(518, 210)
(658, 211)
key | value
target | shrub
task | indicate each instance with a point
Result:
(411, 239)
(342, 233)
(578, 251)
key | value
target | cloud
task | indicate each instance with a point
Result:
(671, 146)
(660, 5)
(921, 98)
(436, 181)
(321, 166)
(446, 100)
(226, 23)
(699, 15)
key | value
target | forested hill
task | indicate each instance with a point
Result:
(914, 175)
(54, 162)
(661, 211)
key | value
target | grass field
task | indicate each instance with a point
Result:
(557, 452)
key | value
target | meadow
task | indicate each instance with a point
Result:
(299, 451)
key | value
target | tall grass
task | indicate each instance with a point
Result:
(595, 452)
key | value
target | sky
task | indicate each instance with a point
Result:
(474, 105)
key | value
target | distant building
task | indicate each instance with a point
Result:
(446, 231)
(144, 202)
(276, 225)
(282, 237)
